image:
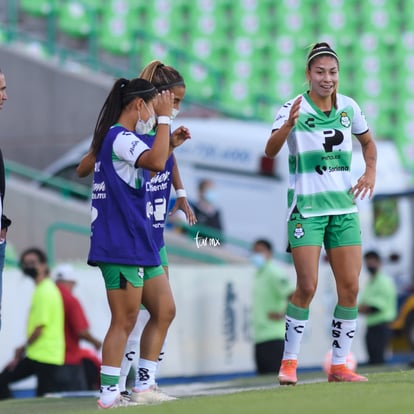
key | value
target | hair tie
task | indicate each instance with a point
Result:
(124, 83)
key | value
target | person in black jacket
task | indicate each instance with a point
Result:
(208, 215)
(5, 222)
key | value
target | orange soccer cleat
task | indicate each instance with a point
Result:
(340, 373)
(287, 372)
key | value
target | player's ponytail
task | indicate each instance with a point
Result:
(163, 77)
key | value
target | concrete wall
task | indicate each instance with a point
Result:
(34, 210)
(48, 110)
(211, 332)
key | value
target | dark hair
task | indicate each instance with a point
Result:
(264, 242)
(161, 76)
(203, 184)
(323, 49)
(41, 255)
(121, 95)
(372, 254)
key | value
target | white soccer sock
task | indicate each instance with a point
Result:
(293, 337)
(145, 374)
(161, 357)
(109, 393)
(343, 331)
(131, 353)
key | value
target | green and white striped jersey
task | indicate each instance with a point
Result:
(320, 153)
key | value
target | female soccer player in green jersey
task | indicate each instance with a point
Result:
(318, 127)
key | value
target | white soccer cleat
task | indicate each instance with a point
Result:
(151, 396)
(121, 401)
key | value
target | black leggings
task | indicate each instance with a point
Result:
(47, 377)
(377, 339)
(268, 356)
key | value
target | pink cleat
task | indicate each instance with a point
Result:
(340, 373)
(287, 372)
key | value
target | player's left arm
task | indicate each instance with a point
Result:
(181, 202)
(366, 183)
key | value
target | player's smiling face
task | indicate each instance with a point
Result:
(323, 75)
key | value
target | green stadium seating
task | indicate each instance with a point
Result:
(146, 52)
(202, 82)
(404, 64)
(292, 19)
(40, 8)
(249, 55)
(210, 50)
(116, 34)
(93, 5)
(237, 99)
(75, 19)
(339, 19)
(376, 16)
(378, 114)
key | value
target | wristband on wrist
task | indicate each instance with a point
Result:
(164, 120)
(180, 193)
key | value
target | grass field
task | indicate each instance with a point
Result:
(385, 392)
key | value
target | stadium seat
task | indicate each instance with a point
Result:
(75, 19)
(404, 125)
(39, 8)
(201, 80)
(378, 114)
(215, 52)
(251, 19)
(339, 18)
(156, 50)
(93, 5)
(377, 17)
(403, 57)
(163, 19)
(116, 34)
(292, 19)
(214, 24)
(237, 99)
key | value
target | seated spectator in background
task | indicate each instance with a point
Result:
(378, 302)
(73, 373)
(43, 353)
(92, 365)
(206, 211)
(271, 291)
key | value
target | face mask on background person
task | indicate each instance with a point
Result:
(258, 260)
(174, 113)
(210, 196)
(30, 271)
(372, 270)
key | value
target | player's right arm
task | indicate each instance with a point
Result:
(86, 165)
(280, 134)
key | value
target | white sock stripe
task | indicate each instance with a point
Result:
(108, 370)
